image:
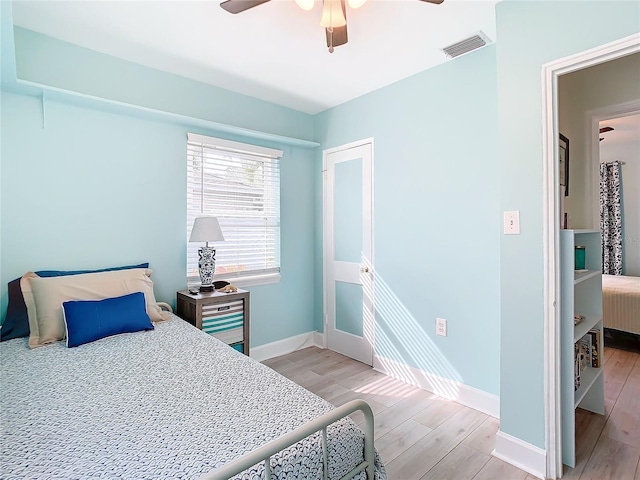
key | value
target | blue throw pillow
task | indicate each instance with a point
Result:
(90, 320)
(16, 323)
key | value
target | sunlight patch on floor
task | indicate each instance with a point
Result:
(386, 386)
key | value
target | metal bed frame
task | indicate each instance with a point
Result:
(264, 453)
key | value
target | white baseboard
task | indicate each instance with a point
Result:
(286, 345)
(521, 454)
(444, 387)
(319, 340)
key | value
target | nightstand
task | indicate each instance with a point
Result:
(223, 315)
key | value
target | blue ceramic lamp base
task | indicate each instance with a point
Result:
(207, 266)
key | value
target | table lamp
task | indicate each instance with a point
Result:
(206, 229)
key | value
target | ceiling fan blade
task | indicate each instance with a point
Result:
(339, 36)
(239, 6)
(437, 2)
(606, 129)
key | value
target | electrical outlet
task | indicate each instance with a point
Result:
(441, 327)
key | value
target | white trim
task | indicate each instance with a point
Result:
(228, 145)
(592, 130)
(553, 421)
(357, 143)
(26, 87)
(325, 300)
(551, 218)
(444, 387)
(319, 340)
(285, 346)
(520, 454)
(251, 281)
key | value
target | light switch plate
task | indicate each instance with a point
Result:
(512, 223)
(441, 327)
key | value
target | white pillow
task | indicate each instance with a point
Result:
(44, 297)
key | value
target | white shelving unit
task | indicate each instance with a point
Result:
(580, 293)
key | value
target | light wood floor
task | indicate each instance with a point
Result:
(422, 436)
(418, 434)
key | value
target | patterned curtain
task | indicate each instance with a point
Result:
(611, 218)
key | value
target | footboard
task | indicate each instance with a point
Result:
(264, 453)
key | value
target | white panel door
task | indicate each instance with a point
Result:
(348, 250)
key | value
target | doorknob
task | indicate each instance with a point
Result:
(364, 269)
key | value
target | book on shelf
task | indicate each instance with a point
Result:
(594, 335)
(586, 353)
(576, 366)
(585, 349)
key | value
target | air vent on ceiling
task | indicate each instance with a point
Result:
(468, 44)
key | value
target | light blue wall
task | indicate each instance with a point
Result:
(91, 190)
(436, 215)
(49, 61)
(96, 188)
(530, 34)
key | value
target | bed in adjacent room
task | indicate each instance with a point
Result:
(621, 303)
(168, 401)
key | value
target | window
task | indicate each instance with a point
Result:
(239, 184)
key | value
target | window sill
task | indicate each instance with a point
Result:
(254, 280)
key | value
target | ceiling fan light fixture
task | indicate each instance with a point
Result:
(305, 4)
(332, 15)
(355, 3)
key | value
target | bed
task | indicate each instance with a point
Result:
(171, 402)
(621, 303)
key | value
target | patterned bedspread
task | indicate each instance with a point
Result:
(621, 302)
(168, 403)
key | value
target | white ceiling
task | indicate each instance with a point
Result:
(276, 51)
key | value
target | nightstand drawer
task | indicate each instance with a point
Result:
(222, 311)
(229, 337)
(221, 315)
(224, 321)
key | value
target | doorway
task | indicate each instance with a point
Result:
(611, 115)
(551, 72)
(348, 250)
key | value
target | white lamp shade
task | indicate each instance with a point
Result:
(206, 229)
(305, 4)
(355, 3)
(332, 14)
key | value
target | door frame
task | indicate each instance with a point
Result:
(551, 221)
(325, 239)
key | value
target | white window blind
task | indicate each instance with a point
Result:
(239, 184)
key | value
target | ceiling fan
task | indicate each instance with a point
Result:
(334, 15)
(605, 130)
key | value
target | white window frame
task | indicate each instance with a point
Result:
(234, 152)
